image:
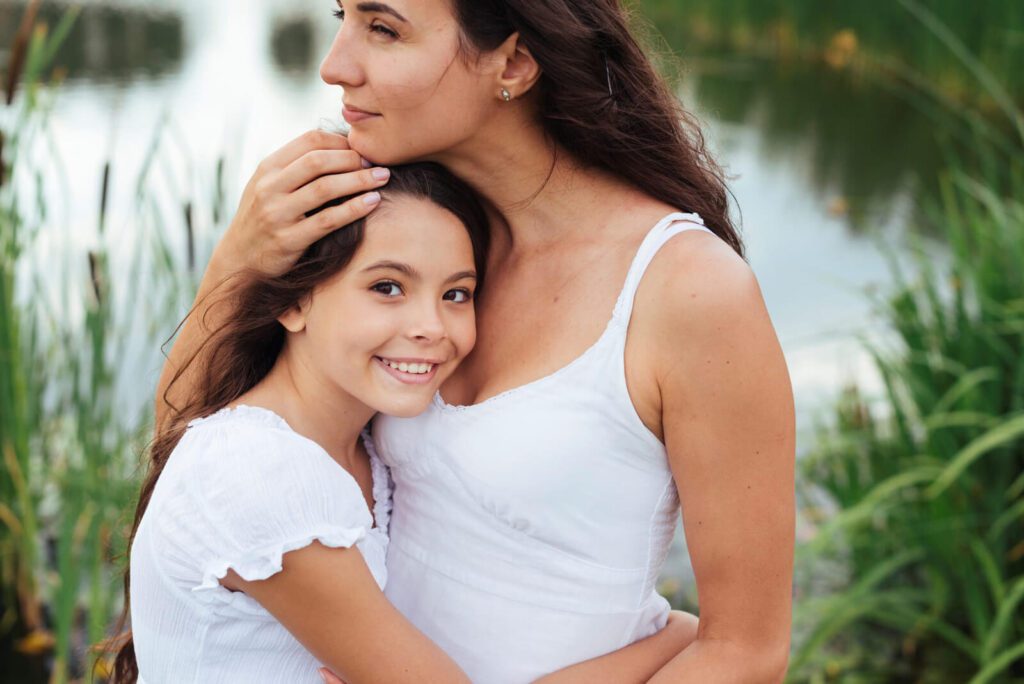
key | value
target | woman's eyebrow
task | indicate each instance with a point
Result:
(382, 8)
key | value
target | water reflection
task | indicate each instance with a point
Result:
(109, 44)
(292, 45)
(861, 141)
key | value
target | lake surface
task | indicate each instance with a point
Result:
(824, 166)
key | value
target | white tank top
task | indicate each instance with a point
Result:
(529, 530)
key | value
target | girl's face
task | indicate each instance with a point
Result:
(393, 325)
(408, 92)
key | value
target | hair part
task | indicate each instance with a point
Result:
(242, 351)
(601, 99)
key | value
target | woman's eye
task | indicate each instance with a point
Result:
(458, 296)
(388, 289)
(339, 14)
(383, 30)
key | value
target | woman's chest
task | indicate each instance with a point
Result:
(530, 323)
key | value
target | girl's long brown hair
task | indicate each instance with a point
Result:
(243, 350)
(601, 99)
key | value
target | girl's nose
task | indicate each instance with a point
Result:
(427, 324)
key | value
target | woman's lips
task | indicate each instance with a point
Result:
(353, 115)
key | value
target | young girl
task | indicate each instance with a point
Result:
(269, 469)
(261, 490)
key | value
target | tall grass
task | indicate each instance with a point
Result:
(925, 485)
(69, 347)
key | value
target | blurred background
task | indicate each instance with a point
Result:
(876, 154)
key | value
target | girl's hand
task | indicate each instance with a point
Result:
(271, 229)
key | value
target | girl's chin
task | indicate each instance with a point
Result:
(407, 409)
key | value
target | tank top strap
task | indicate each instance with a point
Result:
(665, 229)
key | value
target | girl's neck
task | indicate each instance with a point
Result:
(313, 407)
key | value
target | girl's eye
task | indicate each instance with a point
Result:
(387, 288)
(339, 14)
(459, 296)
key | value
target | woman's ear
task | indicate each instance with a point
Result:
(521, 71)
(294, 319)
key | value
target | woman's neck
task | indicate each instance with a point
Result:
(542, 193)
(313, 406)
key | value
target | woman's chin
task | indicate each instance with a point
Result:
(377, 153)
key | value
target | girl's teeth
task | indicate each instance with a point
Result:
(414, 368)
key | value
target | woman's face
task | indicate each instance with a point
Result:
(393, 325)
(408, 92)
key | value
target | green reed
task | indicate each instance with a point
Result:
(916, 572)
(73, 422)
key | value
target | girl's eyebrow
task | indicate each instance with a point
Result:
(413, 273)
(382, 8)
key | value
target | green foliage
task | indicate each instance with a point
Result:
(69, 440)
(927, 483)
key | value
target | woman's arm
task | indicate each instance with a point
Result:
(635, 663)
(727, 418)
(269, 233)
(330, 602)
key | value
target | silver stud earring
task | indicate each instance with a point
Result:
(507, 96)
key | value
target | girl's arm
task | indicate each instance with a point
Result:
(330, 602)
(635, 663)
(269, 233)
(726, 414)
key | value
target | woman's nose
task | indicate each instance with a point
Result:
(340, 65)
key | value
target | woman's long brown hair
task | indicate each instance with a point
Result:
(601, 99)
(244, 349)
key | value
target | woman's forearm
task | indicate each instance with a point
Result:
(637, 662)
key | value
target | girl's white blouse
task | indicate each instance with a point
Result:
(239, 491)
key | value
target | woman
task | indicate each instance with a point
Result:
(624, 352)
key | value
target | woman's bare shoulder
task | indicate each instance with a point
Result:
(696, 280)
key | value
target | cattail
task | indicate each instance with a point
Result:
(19, 49)
(218, 189)
(104, 192)
(96, 276)
(190, 238)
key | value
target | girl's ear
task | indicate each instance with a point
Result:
(294, 319)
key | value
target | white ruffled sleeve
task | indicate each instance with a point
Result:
(249, 492)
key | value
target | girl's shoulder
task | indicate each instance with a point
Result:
(246, 461)
(240, 490)
(249, 437)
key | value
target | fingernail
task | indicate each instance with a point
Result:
(381, 174)
(371, 198)
(365, 162)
